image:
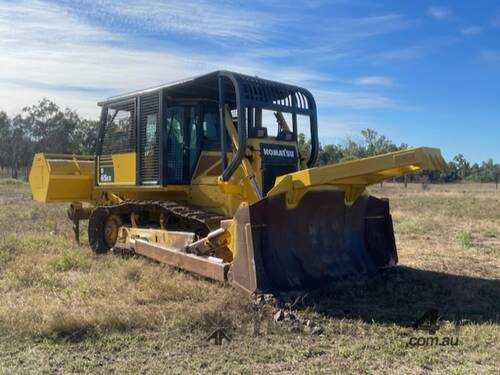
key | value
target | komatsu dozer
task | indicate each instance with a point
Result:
(205, 174)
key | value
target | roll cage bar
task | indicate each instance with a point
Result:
(253, 92)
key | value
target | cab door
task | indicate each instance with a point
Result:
(116, 148)
(182, 143)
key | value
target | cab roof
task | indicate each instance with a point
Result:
(251, 90)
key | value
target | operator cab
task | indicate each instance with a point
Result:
(173, 134)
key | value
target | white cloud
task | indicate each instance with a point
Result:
(373, 81)
(39, 21)
(352, 99)
(439, 13)
(414, 52)
(326, 40)
(75, 63)
(401, 54)
(14, 97)
(334, 129)
(345, 30)
(471, 30)
(201, 18)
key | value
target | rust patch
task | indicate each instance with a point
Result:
(207, 162)
(202, 265)
(216, 170)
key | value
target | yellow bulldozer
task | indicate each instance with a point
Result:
(205, 174)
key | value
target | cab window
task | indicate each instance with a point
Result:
(210, 128)
(119, 129)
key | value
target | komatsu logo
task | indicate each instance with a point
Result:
(284, 153)
(278, 154)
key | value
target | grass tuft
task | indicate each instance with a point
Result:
(62, 327)
(72, 260)
(11, 181)
(490, 233)
(466, 240)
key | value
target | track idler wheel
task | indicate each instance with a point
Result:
(103, 230)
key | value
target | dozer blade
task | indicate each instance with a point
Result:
(321, 239)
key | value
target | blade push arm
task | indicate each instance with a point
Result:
(354, 176)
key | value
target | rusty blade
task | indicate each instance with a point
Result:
(201, 265)
(319, 240)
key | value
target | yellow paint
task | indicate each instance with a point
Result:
(170, 239)
(61, 178)
(159, 193)
(354, 176)
(233, 135)
(124, 167)
(69, 178)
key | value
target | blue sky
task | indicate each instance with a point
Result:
(420, 72)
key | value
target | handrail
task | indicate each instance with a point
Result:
(242, 130)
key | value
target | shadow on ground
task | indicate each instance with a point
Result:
(401, 295)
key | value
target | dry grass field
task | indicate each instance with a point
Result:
(65, 310)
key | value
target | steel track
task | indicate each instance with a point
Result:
(185, 217)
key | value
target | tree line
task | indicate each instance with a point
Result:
(43, 127)
(46, 127)
(371, 144)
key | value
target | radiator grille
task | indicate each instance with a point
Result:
(105, 161)
(149, 170)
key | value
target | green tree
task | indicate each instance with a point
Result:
(462, 166)
(330, 154)
(49, 128)
(375, 144)
(304, 146)
(85, 136)
(19, 147)
(487, 171)
(497, 175)
(371, 144)
(43, 127)
(5, 134)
